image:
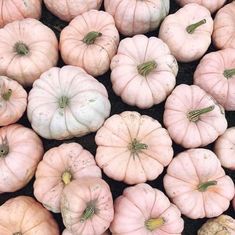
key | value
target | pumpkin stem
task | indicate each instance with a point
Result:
(91, 37)
(228, 73)
(153, 224)
(203, 186)
(135, 146)
(88, 213)
(21, 48)
(18, 233)
(194, 115)
(146, 68)
(66, 177)
(191, 28)
(4, 147)
(63, 101)
(7, 95)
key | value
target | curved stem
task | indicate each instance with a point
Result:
(7, 95)
(88, 213)
(21, 48)
(135, 146)
(191, 28)
(4, 148)
(91, 37)
(153, 224)
(203, 186)
(146, 68)
(63, 102)
(228, 73)
(194, 115)
(66, 177)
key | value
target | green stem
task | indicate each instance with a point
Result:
(88, 213)
(194, 115)
(63, 102)
(135, 146)
(153, 224)
(203, 186)
(66, 177)
(4, 148)
(21, 48)
(191, 28)
(146, 68)
(7, 95)
(91, 37)
(228, 73)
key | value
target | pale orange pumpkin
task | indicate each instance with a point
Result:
(20, 151)
(28, 48)
(90, 41)
(197, 184)
(13, 101)
(22, 215)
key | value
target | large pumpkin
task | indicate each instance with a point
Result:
(67, 102)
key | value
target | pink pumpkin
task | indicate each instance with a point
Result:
(192, 117)
(197, 184)
(144, 64)
(87, 206)
(216, 75)
(145, 210)
(60, 166)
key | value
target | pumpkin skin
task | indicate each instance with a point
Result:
(197, 184)
(28, 48)
(23, 215)
(90, 41)
(60, 166)
(20, 151)
(192, 117)
(67, 102)
(68, 9)
(224, 27)
(216, 75)
(66, 232)
(145, 210)
(186, 41)
(137, 17)
(144, 64)
(85, 205)
(13, 101)
(130, 150)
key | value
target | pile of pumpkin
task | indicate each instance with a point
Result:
(69, 102)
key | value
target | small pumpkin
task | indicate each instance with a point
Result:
(28, 48)
(216, 75)
(130, 150)
(90, 41)
(20, 152)
(188, 32)
(67, 102)
(23, 215)
(192, 117)
(197, 184)
(13, 101)
(142, 209)
(67, 10)
(87, 206)
(224, 27)
(60, 166)
(137, 17)
(144, 64)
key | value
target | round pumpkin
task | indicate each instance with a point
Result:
(188, 32)
(87, 206)
(28, 48)
(136, 17)
(22, 215)
(216, 75)
(197, 184)
(60, 166)
(144, 64)
(20, 151)
(90, 41)
(130, 150)
(142, 209)
(67, 102)
(13, 101)
(192, 117)
(69, 9)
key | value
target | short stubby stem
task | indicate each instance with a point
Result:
(4, 148)
(91, 37)
(146, 68)
(153, 224)
(204, 186)
(7, 95)
(135, 146)
(228, 73)
(18, 233)
(194, 115)
(21, 49)
(88, 213)
(63, 102)
(67, 177)
(191, 28)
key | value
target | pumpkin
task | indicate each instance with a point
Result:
(192, 117)
(142, 209)
(66, 232)
(222, 225)
(23, 215)
(13, 101)
(130, 150)
(90, 41)
(87, 206)
(197, 184)
(224, 27)
(67, 102)
(188, 32)
(12, 10)
(28, 48)
(20, 151)
(216, 75)
(136, 17)
(144, 64)
(60, 166)
(224, 148)
(67, 10)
